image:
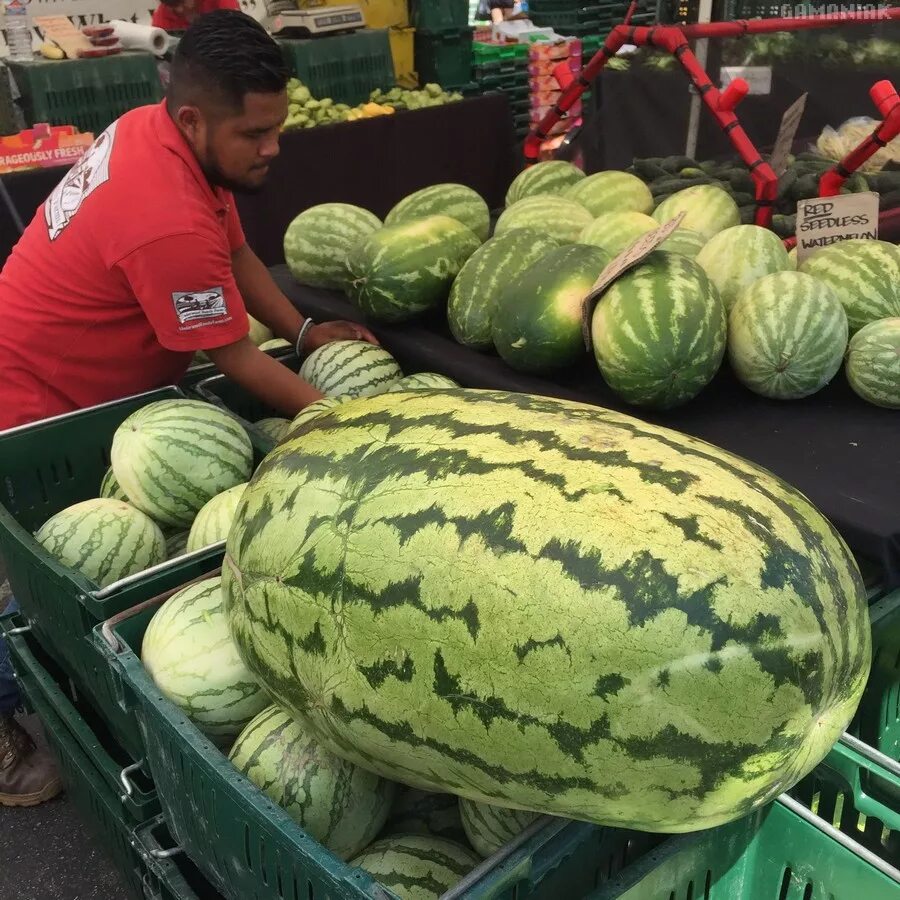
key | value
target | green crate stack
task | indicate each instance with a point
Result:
(87, 93)
(582, 18)
(504, 67)
(443, 43)
(344, 67)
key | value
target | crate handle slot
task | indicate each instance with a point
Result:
(126, 781)
(159, 853)
(19, 629)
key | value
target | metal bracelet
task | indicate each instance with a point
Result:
(304, 328)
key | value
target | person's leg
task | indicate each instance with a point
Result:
(28, 774)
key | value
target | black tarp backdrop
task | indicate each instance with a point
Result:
(842, 453)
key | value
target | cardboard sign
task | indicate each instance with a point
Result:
(60, 31)
(790, 122)
(42, 147)
(758, 78)
(627, 259)
(826, 220)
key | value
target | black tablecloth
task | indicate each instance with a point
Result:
(844, 454)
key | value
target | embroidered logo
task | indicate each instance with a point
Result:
(196, 306)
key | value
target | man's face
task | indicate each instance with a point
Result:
(235, 149)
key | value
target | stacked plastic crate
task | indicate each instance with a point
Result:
(581, 18)
(443, 43)
(543, 59)
(504, 67)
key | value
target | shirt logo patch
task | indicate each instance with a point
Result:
(194, 306)
(91, 171)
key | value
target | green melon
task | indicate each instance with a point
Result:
(273, 428)
(424, 812)
(551, 178)
(873, 363)
(787, 335)
(473, 297)
(659, 332)
(338, 804)
(422, 381)
(275, 344)
(402, 271)
(611, 192)
(684, 241)
(308, 413)
(110, 487)
(616, 231)
(454, 200)
(489, 828)
(537, 322)
(562, 219)
(708, 209)
(176, 544)
(317, 242)
(214, 520)
(350, 369)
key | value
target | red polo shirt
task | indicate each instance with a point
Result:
(165, 17)
(121, 276)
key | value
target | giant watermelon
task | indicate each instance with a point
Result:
(549, 606)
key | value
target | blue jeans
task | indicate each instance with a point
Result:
(9, 691)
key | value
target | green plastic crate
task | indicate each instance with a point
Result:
(439, 15)
(87, 93)
(48, 466)
(444, 57)
(344, 67)
(47, 691)
(486, 54)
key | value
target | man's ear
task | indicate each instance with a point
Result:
(189, 120)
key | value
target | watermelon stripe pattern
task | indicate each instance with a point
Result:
(547, 606)
(350, 369)
(422, 381)
(176, 544)
(864, 275)
(173, 456)
(489, 828)
(454, 200)
(110, 487)
(787, 336)
(213, 522)
(105, 540)
(340, 805)
(273, 428)
(416, 867)
(191, 657)
(616, 231)
(545, 178)
(684, 241)
(611, 192)
(562, 219)
(708, 209)
(317, 242)
(423, 812)
(873, 363)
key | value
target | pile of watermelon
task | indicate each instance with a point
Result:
(715, 288)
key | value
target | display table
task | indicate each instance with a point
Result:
(371, 163)
(844, 454)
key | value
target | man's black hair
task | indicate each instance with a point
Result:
(224, 56)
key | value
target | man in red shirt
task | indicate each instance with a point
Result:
(177, 15)
(137, 260)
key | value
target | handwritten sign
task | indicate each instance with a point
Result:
(758, 78)
(826, 220)
(627, 259)
(790, 122)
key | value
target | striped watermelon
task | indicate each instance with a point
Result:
(308, 413)
(562, 219)
(191, 657)
(275, 344)
(787, 335)
(350, 369)
(684, 241)
(473, 297)
(259, 333)
(547, 605)
(340, 805)
(110, 487)
(708, 208)
(404, 270)
(214, 520)
(611, 192)
(659, 332)
(865, 276)
(422, 381)
(176, 544)
(274, 428)
(544, 178)
(416, 866)
(738, 256)
(424, 812)
(103, 539)
(537, 322)
(317, 242)
(454, 200)
(616, 231)
(489, 828)
(173, 456)
(873, 363)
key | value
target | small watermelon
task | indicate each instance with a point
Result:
(708, 209)
(562, 219)
(104, 539)
(787, 334)
(317, 242)
(611, 192)
(176, 544)
(273, 428)
(350, 369)
(339, 804)
(422, 381)
(110, 487)
(873, 363)
(214, 520)
(616, 231)
(551, 178)
(473, 297)
(537, 322)
(454, 200)
(490, 827)
(424, 812)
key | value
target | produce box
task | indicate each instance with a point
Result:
(439, 15)
(47, 467)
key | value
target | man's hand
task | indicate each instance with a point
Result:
(319, 335)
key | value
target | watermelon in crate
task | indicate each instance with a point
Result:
(350, 369)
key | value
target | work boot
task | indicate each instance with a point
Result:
(28, 774)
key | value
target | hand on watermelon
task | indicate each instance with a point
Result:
(327, 332)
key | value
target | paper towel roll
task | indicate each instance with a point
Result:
(141, 37)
